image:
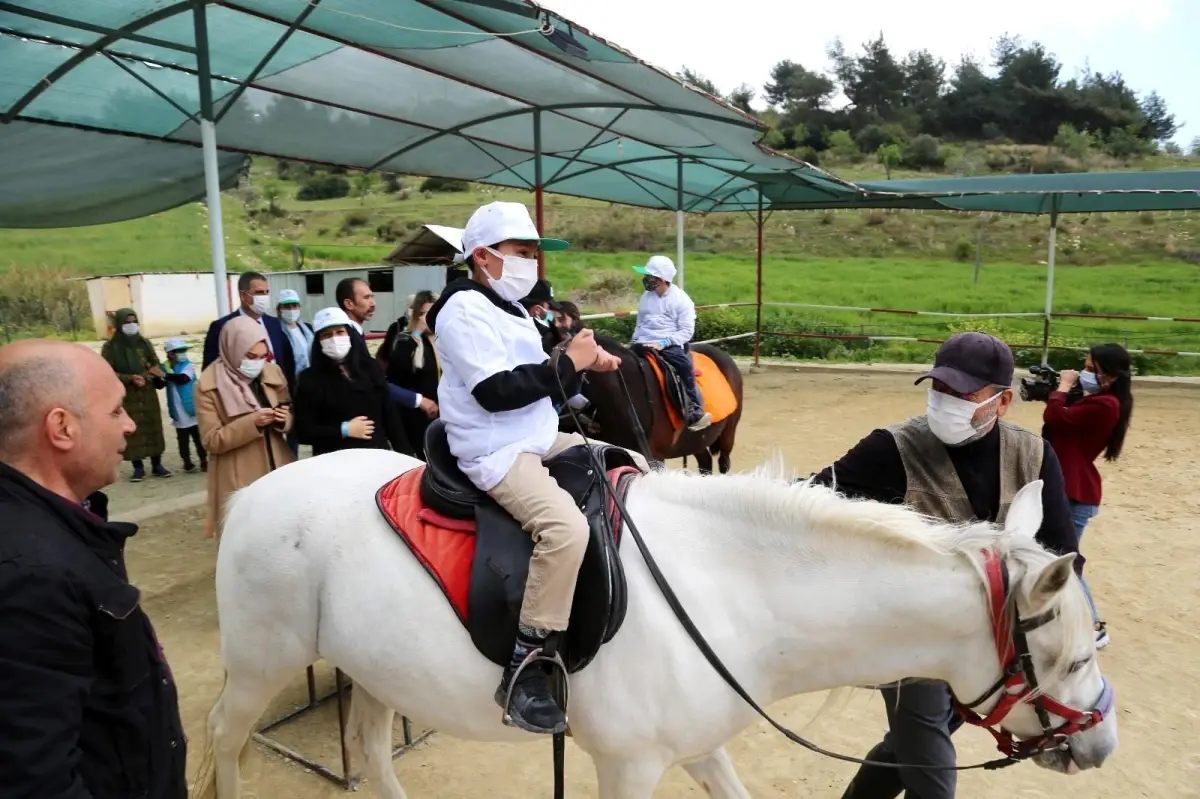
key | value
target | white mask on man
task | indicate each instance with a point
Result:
(261, 303)
(517, 279)
(952, 419)
(336, 347)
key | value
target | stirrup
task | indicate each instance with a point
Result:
(536, 656)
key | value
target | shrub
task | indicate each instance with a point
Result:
(323, 186)
(1053, 164)
(842, 146)
(41, 302)
(963, 251)
(1072, 142)
(924, 152)
(872, 137)
(444, 185)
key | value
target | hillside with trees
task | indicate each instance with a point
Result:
(1017, 113)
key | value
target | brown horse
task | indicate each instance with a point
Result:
(613, 414)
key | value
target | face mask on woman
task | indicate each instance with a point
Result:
(952, 419)
(517, 279)
(336, 347)
(252, 367)
(1089, 382)
(130, 328)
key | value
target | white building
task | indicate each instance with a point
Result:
(183, 303)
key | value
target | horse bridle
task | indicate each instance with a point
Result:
(1018, 683)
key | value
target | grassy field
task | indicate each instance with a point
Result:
(1111, 263)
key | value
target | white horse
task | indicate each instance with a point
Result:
(796, 588)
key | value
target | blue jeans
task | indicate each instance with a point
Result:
(1082, 514)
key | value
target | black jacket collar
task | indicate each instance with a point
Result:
(89, 528)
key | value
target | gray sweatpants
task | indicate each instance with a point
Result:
(921, 719)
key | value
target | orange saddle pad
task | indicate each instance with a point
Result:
(718, 396)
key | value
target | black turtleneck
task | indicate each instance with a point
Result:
(874, 470)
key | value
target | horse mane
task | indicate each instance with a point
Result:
(775, 503)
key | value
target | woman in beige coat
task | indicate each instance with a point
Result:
(244, 410)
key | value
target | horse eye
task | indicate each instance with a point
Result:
(1078, 665)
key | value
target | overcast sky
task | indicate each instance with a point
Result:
(1153, 43)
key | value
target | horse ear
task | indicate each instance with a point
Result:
(1025, 513)
(1052, 579)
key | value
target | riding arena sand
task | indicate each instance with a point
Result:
(1143, 553)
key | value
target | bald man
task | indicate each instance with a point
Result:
(88, 707)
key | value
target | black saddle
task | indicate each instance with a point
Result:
(503, 549)
(673, 386)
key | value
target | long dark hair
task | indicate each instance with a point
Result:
(361, 368)
(1113, 361)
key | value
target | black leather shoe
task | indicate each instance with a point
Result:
(528, 703)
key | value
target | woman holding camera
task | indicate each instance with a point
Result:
(1080, 431)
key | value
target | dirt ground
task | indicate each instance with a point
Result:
(1143, 553)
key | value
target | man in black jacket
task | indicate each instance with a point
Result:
(959, 462)
(88, 706)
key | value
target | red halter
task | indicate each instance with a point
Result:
(1019, 682)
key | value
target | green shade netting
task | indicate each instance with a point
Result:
(468, 90)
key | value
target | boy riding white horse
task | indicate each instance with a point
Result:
(666, 322)
(496, 396)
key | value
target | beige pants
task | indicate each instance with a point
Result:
(559, 530)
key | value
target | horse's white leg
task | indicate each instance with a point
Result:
(716, 776)
(628, 779)
(369, 732)
(230, 723)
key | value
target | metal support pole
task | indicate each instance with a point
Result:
(679, 222)
(212, 175)
(537, 186)
(1049, 285)
(758, 280)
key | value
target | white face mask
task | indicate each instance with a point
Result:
(1089, 382)
(130, 328)
(336, 347)
(252, 367)
(261, 303)
(517, 279)
(952, 419)
(290, 316)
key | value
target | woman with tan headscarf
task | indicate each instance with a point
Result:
(244, 410)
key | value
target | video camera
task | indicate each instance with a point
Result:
(1045, 380)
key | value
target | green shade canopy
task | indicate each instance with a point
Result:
(1076, 193)
(468, 89)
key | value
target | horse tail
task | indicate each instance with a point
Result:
(205, 784)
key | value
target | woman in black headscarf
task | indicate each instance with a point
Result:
(342, 397)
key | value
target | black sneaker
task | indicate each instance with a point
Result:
(190, 468)
(160, 471)
(139, 474)
(528, 703)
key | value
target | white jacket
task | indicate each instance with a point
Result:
(667, 320)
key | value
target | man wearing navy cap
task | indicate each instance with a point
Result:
(960, 462)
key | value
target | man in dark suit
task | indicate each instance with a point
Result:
(354, 296)
(255, 296)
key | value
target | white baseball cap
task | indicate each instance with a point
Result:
(504, 221)
(288, 297)
(175, 345)
(329, 317)
(659, 266)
